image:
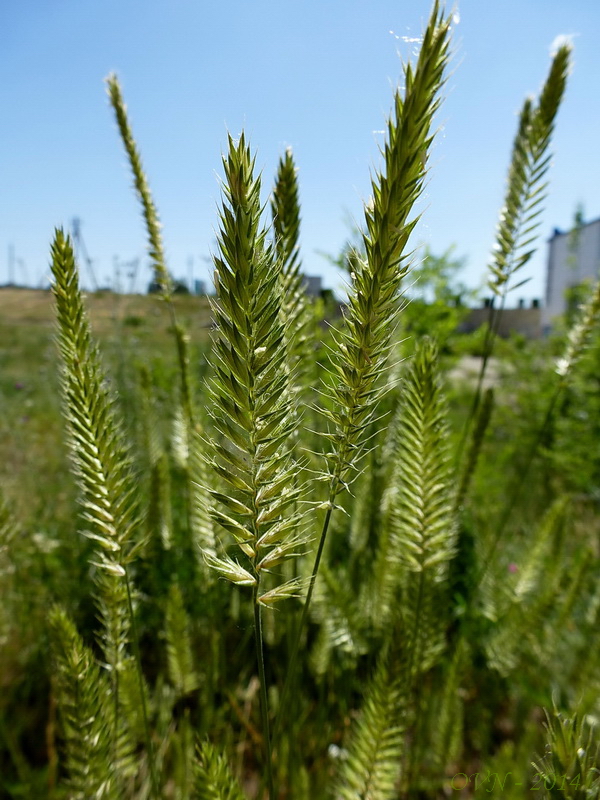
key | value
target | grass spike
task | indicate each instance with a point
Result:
(252, 407)
(525, 194)
(524, 607)
(578, 340)
(179, 648)
(423, 524)
(155, 244)
(579, 334)
(252, 404)
(372, 768)
(285, 209)
(364, 342)
(100, 461)
(213, 779)
(87, 735)
(102, 469)
(526, 189)
(162, 276)
(571, 763)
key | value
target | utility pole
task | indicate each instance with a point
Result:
(23, 272)
(11, 265)
(116, 282)
(190, 265)
(81, 250)
(132, 271)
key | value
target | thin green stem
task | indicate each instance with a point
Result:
(488, 347)
(413, 657)
(482, 422)
(264, 702)
(115, 743)
(313, 577)
(183, 358)
(333, 490)
(138, 665)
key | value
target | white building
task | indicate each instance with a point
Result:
(313, 285)
(573, 258)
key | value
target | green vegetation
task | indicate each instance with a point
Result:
(292, 559)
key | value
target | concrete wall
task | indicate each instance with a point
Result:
(526, 321)
(313, 284)
(569, 266)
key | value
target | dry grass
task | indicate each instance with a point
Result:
(130, 329)
(34, 307)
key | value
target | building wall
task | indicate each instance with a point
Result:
(313, 284)
(526, 321)
(569, 266)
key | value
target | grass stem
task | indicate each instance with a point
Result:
(138, 667)
(264, 701)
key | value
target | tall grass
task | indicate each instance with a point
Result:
(300, 580)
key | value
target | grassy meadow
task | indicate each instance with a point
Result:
(253, 549)
(131, 330)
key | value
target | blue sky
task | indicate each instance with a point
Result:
(316, 75)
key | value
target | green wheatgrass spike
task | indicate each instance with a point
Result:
(363, 344)
(103, 472)
(422, 519)
(80, 689)
(285, 209)
(252, 407)
(526, 188)
(153, 226)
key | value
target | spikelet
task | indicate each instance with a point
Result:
(253, 412)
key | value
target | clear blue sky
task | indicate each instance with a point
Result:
(316, 75)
